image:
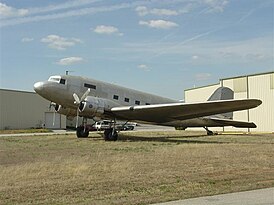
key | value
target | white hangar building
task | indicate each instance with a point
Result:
(258, 86)
(23, 110)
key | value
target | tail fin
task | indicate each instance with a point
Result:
(222, 93)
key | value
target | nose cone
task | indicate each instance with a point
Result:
(38, 87)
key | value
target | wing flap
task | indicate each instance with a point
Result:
(161, 113)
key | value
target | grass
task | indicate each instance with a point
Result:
(25, 131)
(140, 168)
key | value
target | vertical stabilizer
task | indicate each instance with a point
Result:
(222, 93)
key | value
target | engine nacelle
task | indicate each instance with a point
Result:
(92, 106)
(65, 111)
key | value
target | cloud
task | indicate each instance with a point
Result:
(143, 67)
(215, 6)
(26, 40)
(159, 24)
(195, 57)
(70, 60)
(7, 11)
(59, 43)
(65, 10)
(102, 29)
(142, 11)
(202, 76)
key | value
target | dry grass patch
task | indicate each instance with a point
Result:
(24, 131)
(140, 168)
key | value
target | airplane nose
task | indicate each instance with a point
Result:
(38, 87)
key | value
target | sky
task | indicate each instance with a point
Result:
(157, 46)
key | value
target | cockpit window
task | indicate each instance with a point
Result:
(55, 78)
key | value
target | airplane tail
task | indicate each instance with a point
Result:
(222, 93)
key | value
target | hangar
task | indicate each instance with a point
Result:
(259, 86)
(22, 110)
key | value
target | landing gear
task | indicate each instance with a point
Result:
(208, 132)
(110, 134)
(82, 131)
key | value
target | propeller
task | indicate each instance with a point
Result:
(51, 104)
(56, 107)
(54, 117)
(78, 101)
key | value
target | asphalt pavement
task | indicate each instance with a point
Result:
(254, 197)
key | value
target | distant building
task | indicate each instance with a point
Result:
(23, 110)
(259, 86)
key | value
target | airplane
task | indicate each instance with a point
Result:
(76, 96)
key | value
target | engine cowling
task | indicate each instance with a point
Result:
(65, 111)
(92, 106)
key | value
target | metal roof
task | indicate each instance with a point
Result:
(222, 79)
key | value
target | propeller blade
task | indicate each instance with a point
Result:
(77, 117)
(85, 94)
(76, 99)
(53, 121)
(52, 104)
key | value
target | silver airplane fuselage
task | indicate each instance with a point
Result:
(60, 89)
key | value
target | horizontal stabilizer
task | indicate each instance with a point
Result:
(234, 123)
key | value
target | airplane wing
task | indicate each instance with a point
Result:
(163, 113)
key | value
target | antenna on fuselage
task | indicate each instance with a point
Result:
(69, 71)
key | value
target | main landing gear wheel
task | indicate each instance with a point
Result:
(110, 135)
(81, 132)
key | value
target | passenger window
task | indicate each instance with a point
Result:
(147, 103)
(115, 97)
(126, 99)
(137, 102)
(62, 81)
(90, 86)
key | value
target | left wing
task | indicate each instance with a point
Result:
(163, 113)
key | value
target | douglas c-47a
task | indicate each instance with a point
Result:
(76, 96)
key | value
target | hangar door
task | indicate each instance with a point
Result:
(52, 123)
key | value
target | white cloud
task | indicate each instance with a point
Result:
(202, 76)
(142, 11)
(216, 5)
(64, 10)
(60, 43)
(159, 24)
(26, 40)
(70, 60)
(102, 29)
(7, 11)
(164, 12)
(143, 67)
(195, 57)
